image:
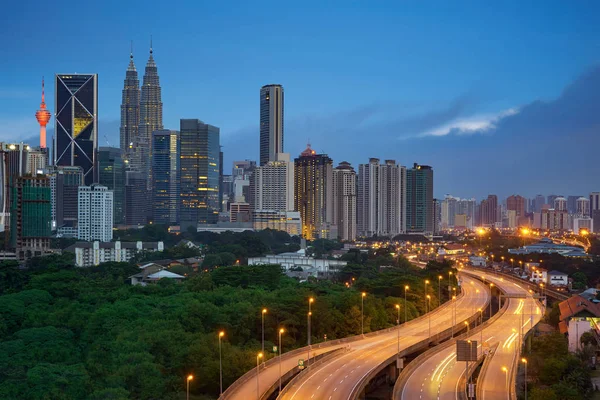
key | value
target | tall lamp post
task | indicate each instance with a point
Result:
(280, 333)
(524, 361)
(310, 301)
(262, 317)
(398, 324)
(362, 313)
(405, 304)
(449, 281)
(491, 297)
(505, 370)
(453, 314)
(439, 290)
(258, 357)
(427, 308)
(189, 379)
(221, 334)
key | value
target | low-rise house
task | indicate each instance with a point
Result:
(557, 278)
(577, 316)
(289, 261)
(88, 254)
(477, 261)
(152, 273)
(539, 275)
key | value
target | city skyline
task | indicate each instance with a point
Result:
(472, 107)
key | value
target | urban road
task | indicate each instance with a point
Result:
(439, 376)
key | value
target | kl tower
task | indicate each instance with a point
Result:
(43, 116)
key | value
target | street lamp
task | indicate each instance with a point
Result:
(264, 311)
(491, 297)
(310, 301)
(189, 378)
(362, 313)
(258, 357)
(281, 330)
(221, 334)
(512, 263)
(453, 314)
(449, 280)
(524, 361)
(505, 370)
(467, 324)
(398, 324)
(439, 290)
(405, 306)
(428, 299)
(481, 328)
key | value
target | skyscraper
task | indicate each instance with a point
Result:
(64, 184)
(381, 198)
(419, 199)
(560, 204)
(489, 210)
(165, 177)
(130, 108)
(538, 202)
(13, 163)
(313, 194)
(582, 208)
(199, 176)
(271, 122)
(30, 216)
(76, 123)
(572, 204)
(111, 167)
(136, 198)
(517, 204)
(151, 116)
(344, 201)
(95, 213)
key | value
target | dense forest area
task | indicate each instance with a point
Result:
(86, 333)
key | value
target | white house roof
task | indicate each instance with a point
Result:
(165, 274)
(555, 272)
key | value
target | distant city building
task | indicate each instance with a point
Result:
(582, 208)
(64, 195)
(239, 212)
(546, 246)
(594, 201)
(13, 163)
(381, 198)
(130, 110)
(88, 254)
(136, 198)
(199, 176)
(516, 203)
(30, 210)
(449, 211)
(271, 122)
(76, 123)
(555, 220)
(572, 204)
(437, 216)
(111, 173)
(551, 198)
(344, 201)
(151, 117)
(313, 190)
(560, 204)
(37, 160)
(95, 213)
(272, 185)
(165, 177)
(511, 219)
(43, 117)
(419, 199)
(489, 210)
(582, 223)
(538, 203)
(287, 221)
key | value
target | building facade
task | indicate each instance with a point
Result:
(111, 173)
(88, 254)
(419, 199)
(136, 198)
(64, 194)
(517, 204)
(488, 210)
(272, 185)
(313, 193)
(199, 173)
(287, 221)
(95, 213)
(582, 208)
(76, 123)
(271, 122)
(344, 201)
(165, 177)
(30, 216)
(381, 198)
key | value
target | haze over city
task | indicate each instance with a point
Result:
(498, 98)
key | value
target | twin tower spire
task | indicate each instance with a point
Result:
(141, 113)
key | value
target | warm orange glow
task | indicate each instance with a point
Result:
(260, 355)
(311, 300)
(190, 377)
(406, 287)
(281, 330)
(363, 294)
(221, 334)
(43, 117)
(525, 231)
(264, 311)
(524, 360)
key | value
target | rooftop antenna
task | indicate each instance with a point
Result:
(150, 44)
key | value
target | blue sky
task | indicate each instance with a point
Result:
(430, 82)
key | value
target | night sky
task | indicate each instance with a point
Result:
(499, 97)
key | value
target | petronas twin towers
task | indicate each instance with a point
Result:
(141, 114)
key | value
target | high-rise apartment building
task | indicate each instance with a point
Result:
(13, 163)
(313, 194)
(151, 117)
(538, 202)
(419, 199)
(572, 204)
(111, 173)
(488, 210)
(130, 109)
(449, 211)
(165, 177)
(516, 203)
(199, 173)
(550, 199)
(437, 216)
(76, 123)
(560, 204)
(95, 213)
(582, 207)
(271, 122)
(595, 210)
(136, 198)
(272, 185)
(555, 220)
(30, 216)
(64, 194)
(37, 160)
(344, 201)
(381, 198)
